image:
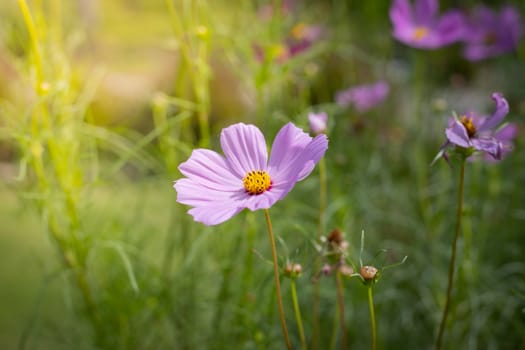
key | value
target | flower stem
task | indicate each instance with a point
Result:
(341, 306)
(298, 314)
(372, 316)
(276, 276)
(452, 258)
(316, 319)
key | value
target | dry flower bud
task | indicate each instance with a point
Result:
(368, 272)
(326, 269)
(336, 237)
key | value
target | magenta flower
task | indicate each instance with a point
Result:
(490, 34)
(505, 136)
(363, 97)
(219, 187)
(421, 27)
(477, 133)
(318, 122)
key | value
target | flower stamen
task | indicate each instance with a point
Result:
(420, 33)
(257, 182)
(469, 125)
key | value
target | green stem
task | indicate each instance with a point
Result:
(452, 258)
(341, 306)
(316, 319)
(372, 316)
(298, 315)
(30, 24)
(277, 282)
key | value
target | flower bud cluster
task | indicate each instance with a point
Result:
(336, 248)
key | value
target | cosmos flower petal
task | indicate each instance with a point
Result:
(215, 214)
(210, 169)
(245, 148)
(502, 109)
(312, 155)
(294, 155)
(288, 144)
(450, 27)
(190, 192)
(425, 10)
(457, 134)
(488, 145)
(507, 133)
(400, 13)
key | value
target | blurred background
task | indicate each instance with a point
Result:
(100, 101)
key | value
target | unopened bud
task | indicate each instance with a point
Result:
(326, 269)
(293, 270)
(368, 272)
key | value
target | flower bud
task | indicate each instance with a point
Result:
(368, 272)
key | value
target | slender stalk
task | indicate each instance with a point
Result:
(30, 25)
(452, 258)
(298, 314)
(372, 316)
(316, 319)
(341, 306)
(277, 282)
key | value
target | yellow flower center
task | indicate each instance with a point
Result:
(257, 182)
(298, 31)
(420, 33)
(469, 125)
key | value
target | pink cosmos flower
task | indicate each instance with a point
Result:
(477, 133)
(219, 187)
(490, 34)
(318, 122)
(422, 27)
(363, 97)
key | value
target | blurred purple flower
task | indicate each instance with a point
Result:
(489, 34)
(318, 122)
(477, 133)
(265, 12)
(421, 27)
(301, 39)
(363, 97)
(219, 187)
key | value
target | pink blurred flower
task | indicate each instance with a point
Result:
(363, 97)
(489, 34)
(421, 26)
(318, 122)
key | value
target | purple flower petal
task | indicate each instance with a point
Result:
(210, 170)
(457, 134)
(245, 148)
(193, 193)
(488, 145)
(450, 27)
(213, 215)
(425, 11)
(507, 133)
(502, 109)
(312, 154)
(287, 146)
